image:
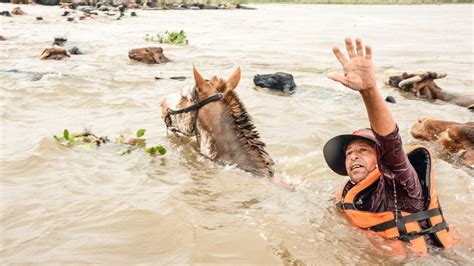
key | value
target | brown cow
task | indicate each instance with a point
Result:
(55, 53)
(17, 11)
(452, 136)
(422, 85)
(148, 55)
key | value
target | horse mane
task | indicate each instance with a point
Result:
(246, 131)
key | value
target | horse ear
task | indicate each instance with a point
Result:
(234, 79)
(200, 82)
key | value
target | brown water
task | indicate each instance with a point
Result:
(62, 205)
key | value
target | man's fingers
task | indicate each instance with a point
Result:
(350, 48)
(360, 52)
(339, 55)
(368, 52)
(341, 79)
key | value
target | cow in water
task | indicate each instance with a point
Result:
(422, 85)
(453, 137)
(148, 55)
(54, 53)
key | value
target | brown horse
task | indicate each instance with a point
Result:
(213, 113)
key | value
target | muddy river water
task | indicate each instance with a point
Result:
(63, 205)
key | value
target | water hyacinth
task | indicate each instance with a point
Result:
(168, 37)
(89, 140)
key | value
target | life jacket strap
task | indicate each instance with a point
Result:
(407, 219)
(402, 221)
(412, 235)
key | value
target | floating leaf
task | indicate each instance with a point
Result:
(66, 134)
(161, 149)
(71, 139)
(141, 132)
(152, 150)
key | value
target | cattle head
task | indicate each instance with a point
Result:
(18, 11)
(421, 85)
(148, 55)
(451, 135)
(55, 53)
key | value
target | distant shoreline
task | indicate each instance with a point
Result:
(362, 2)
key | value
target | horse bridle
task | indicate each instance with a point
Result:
(195, 107)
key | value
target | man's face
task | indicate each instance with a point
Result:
(361, 159)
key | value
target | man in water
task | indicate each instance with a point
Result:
(360, 153)
(385, 193)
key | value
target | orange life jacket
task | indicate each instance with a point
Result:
(398, 224)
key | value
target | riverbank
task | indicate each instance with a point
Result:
(363, 2)
(237, 2)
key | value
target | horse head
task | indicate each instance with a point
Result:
(212, 112)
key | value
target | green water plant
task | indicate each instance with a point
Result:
(168, 37)
(89, 140)
(83, 138)
(139, 142)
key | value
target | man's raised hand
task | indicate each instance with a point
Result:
(359, 72)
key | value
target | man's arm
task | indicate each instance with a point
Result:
(359, 75)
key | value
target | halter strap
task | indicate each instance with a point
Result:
(195, 107)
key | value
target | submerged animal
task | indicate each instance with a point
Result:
(212, 112)
(54, 53)
(278, 81)
(422, 85)
(148, 55)
(453, 137)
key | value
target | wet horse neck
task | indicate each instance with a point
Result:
(219, 141)
(231, 138)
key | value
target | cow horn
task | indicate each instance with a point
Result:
(441, 75)
(409, 81)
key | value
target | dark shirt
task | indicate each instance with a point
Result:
(396, 169)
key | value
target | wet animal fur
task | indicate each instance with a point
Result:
(248, 135)
(428, 89)
(226, 131)
(452, 136)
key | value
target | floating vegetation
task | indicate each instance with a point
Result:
(139, 142)
(83, 138)
(168, 37)
(89, 140)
